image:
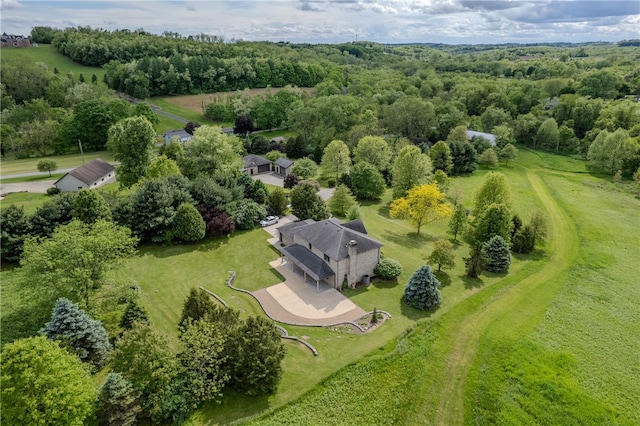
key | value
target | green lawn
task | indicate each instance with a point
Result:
(50, 56)
(32, 178)
(28, 165)
(29, 200)
(552, 342)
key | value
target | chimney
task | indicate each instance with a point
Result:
(352, 247)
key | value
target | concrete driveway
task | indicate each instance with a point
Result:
(38, 186)
(270, 178)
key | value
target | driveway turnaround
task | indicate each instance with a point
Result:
(296, 302)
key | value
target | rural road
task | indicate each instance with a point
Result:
(511, 306)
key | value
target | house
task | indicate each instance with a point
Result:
(282, 167)
(10, 40)
(182, 134)
(277, 139)
(488, 136)
(330, 251)
(92, 175)
(254, 164)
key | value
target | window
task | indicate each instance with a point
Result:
(326, 258)
(309, 246)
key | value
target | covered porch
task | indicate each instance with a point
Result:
(308, 264)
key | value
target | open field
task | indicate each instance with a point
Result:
(29, 165)
(196, 103)
(49, 55)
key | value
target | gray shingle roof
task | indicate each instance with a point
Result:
(283, 162)
(331, 236)
(305, 259)
(488, 136)
(252, 160)
(92, 171)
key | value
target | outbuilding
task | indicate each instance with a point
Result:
(92, 175)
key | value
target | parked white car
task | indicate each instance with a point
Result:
(269, 220)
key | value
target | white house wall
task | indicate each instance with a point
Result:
(70, 183)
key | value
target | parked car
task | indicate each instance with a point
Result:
(269, 220)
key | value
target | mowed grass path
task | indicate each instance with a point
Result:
(515, 306)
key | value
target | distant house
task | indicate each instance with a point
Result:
(182, 134)
(10, 40)
(254, 164)
(92, 175)
(330, 251)
(282, 167)
(277, 139)
(488, 136)
(227, 131)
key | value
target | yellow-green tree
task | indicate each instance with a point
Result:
(422, 205)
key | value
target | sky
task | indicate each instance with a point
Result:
(335, 21)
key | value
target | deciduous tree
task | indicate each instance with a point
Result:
(211, 153)
(44, 384)
(494, 220)
(458, 221)
(410, 168)
(422, 205)
(277, 201)
(494, 189)
(341, 201)
(132, 141)
(373, 150)
(442, 255)
(305, 168)
(422, 291)
(74, 261)
(89, 206)
(336, 159)
(77, 331)
(441, 159)
(162, 167)
(508, 153)
(47, 165)
(366, 181)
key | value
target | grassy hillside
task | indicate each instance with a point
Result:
(49, 55)
(549, 344)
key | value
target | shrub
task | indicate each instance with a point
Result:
(53, 191)
(188, 224)
(290, 181)
(388, 269)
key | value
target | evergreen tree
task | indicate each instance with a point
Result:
(277, 201)
(118, 403)
(523, 240)
(14, 229)
(73, 328)
(496, 251)
(464, 157)
(474, 264)
(188, 225)
(422, 290)
(256, 357)
(132, 313)
(290, 181)
(353, 213)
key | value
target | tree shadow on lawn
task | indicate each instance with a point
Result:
(537, 254)
(471, 283)
(232, 408)
(413, 313)
(443, 277)
(411, 241)
(384, 211)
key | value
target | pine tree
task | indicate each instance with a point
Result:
(188, 225)
(474, 264)
(132, 313)
(73, 328)
(496, 251)
(422, 290)
(341, 201)
(118, 403)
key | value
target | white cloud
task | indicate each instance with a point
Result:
(10, 4)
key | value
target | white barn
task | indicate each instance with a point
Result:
(92, 175)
